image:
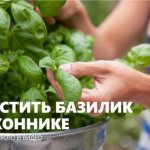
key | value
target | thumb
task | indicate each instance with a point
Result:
(80, 69)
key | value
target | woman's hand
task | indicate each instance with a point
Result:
(73, 14)
(113, 81)
(68, 13)
(71, 9)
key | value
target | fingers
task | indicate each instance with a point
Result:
(90, 95)
(54, 83)
(69, 9)
(66, 11)
(80, 69)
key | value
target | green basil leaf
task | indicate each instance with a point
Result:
(21, 39)
(29, 21)
(140, 55)
(47, 62)
(4, 28)
(30, 69)
(14, 80)
(6, 3)
(76, 40)
(12, 56)
(70, 86)
(4, 64)
(85, 56)
(50, 7)
(81, 44)
(25, 4)
(4, 23)
(63, 54)
(55, 38)
(33, 95)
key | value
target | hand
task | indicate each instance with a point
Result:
(69, 13)
(113, 81)
(73, 14)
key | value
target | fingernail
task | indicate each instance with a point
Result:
(66, 67)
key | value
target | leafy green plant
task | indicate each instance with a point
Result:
(28, 46)
(4, 64)
(47, 62)
(68, 84)
(4, 28)
(138, 57)
(52, 5)
(30, 69)
(63, 54)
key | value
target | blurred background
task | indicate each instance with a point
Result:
(122, 134)
(98, 10)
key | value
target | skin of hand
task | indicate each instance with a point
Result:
(52, 80)
(74, 15)
(116, 33)
(110, 43)
(113, 82)
(121, 29)
(71, 13)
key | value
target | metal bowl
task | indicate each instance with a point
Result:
(87, 138)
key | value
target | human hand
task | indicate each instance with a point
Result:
(73, 15)
(69, 13)
(72, 10)
(113, 81)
